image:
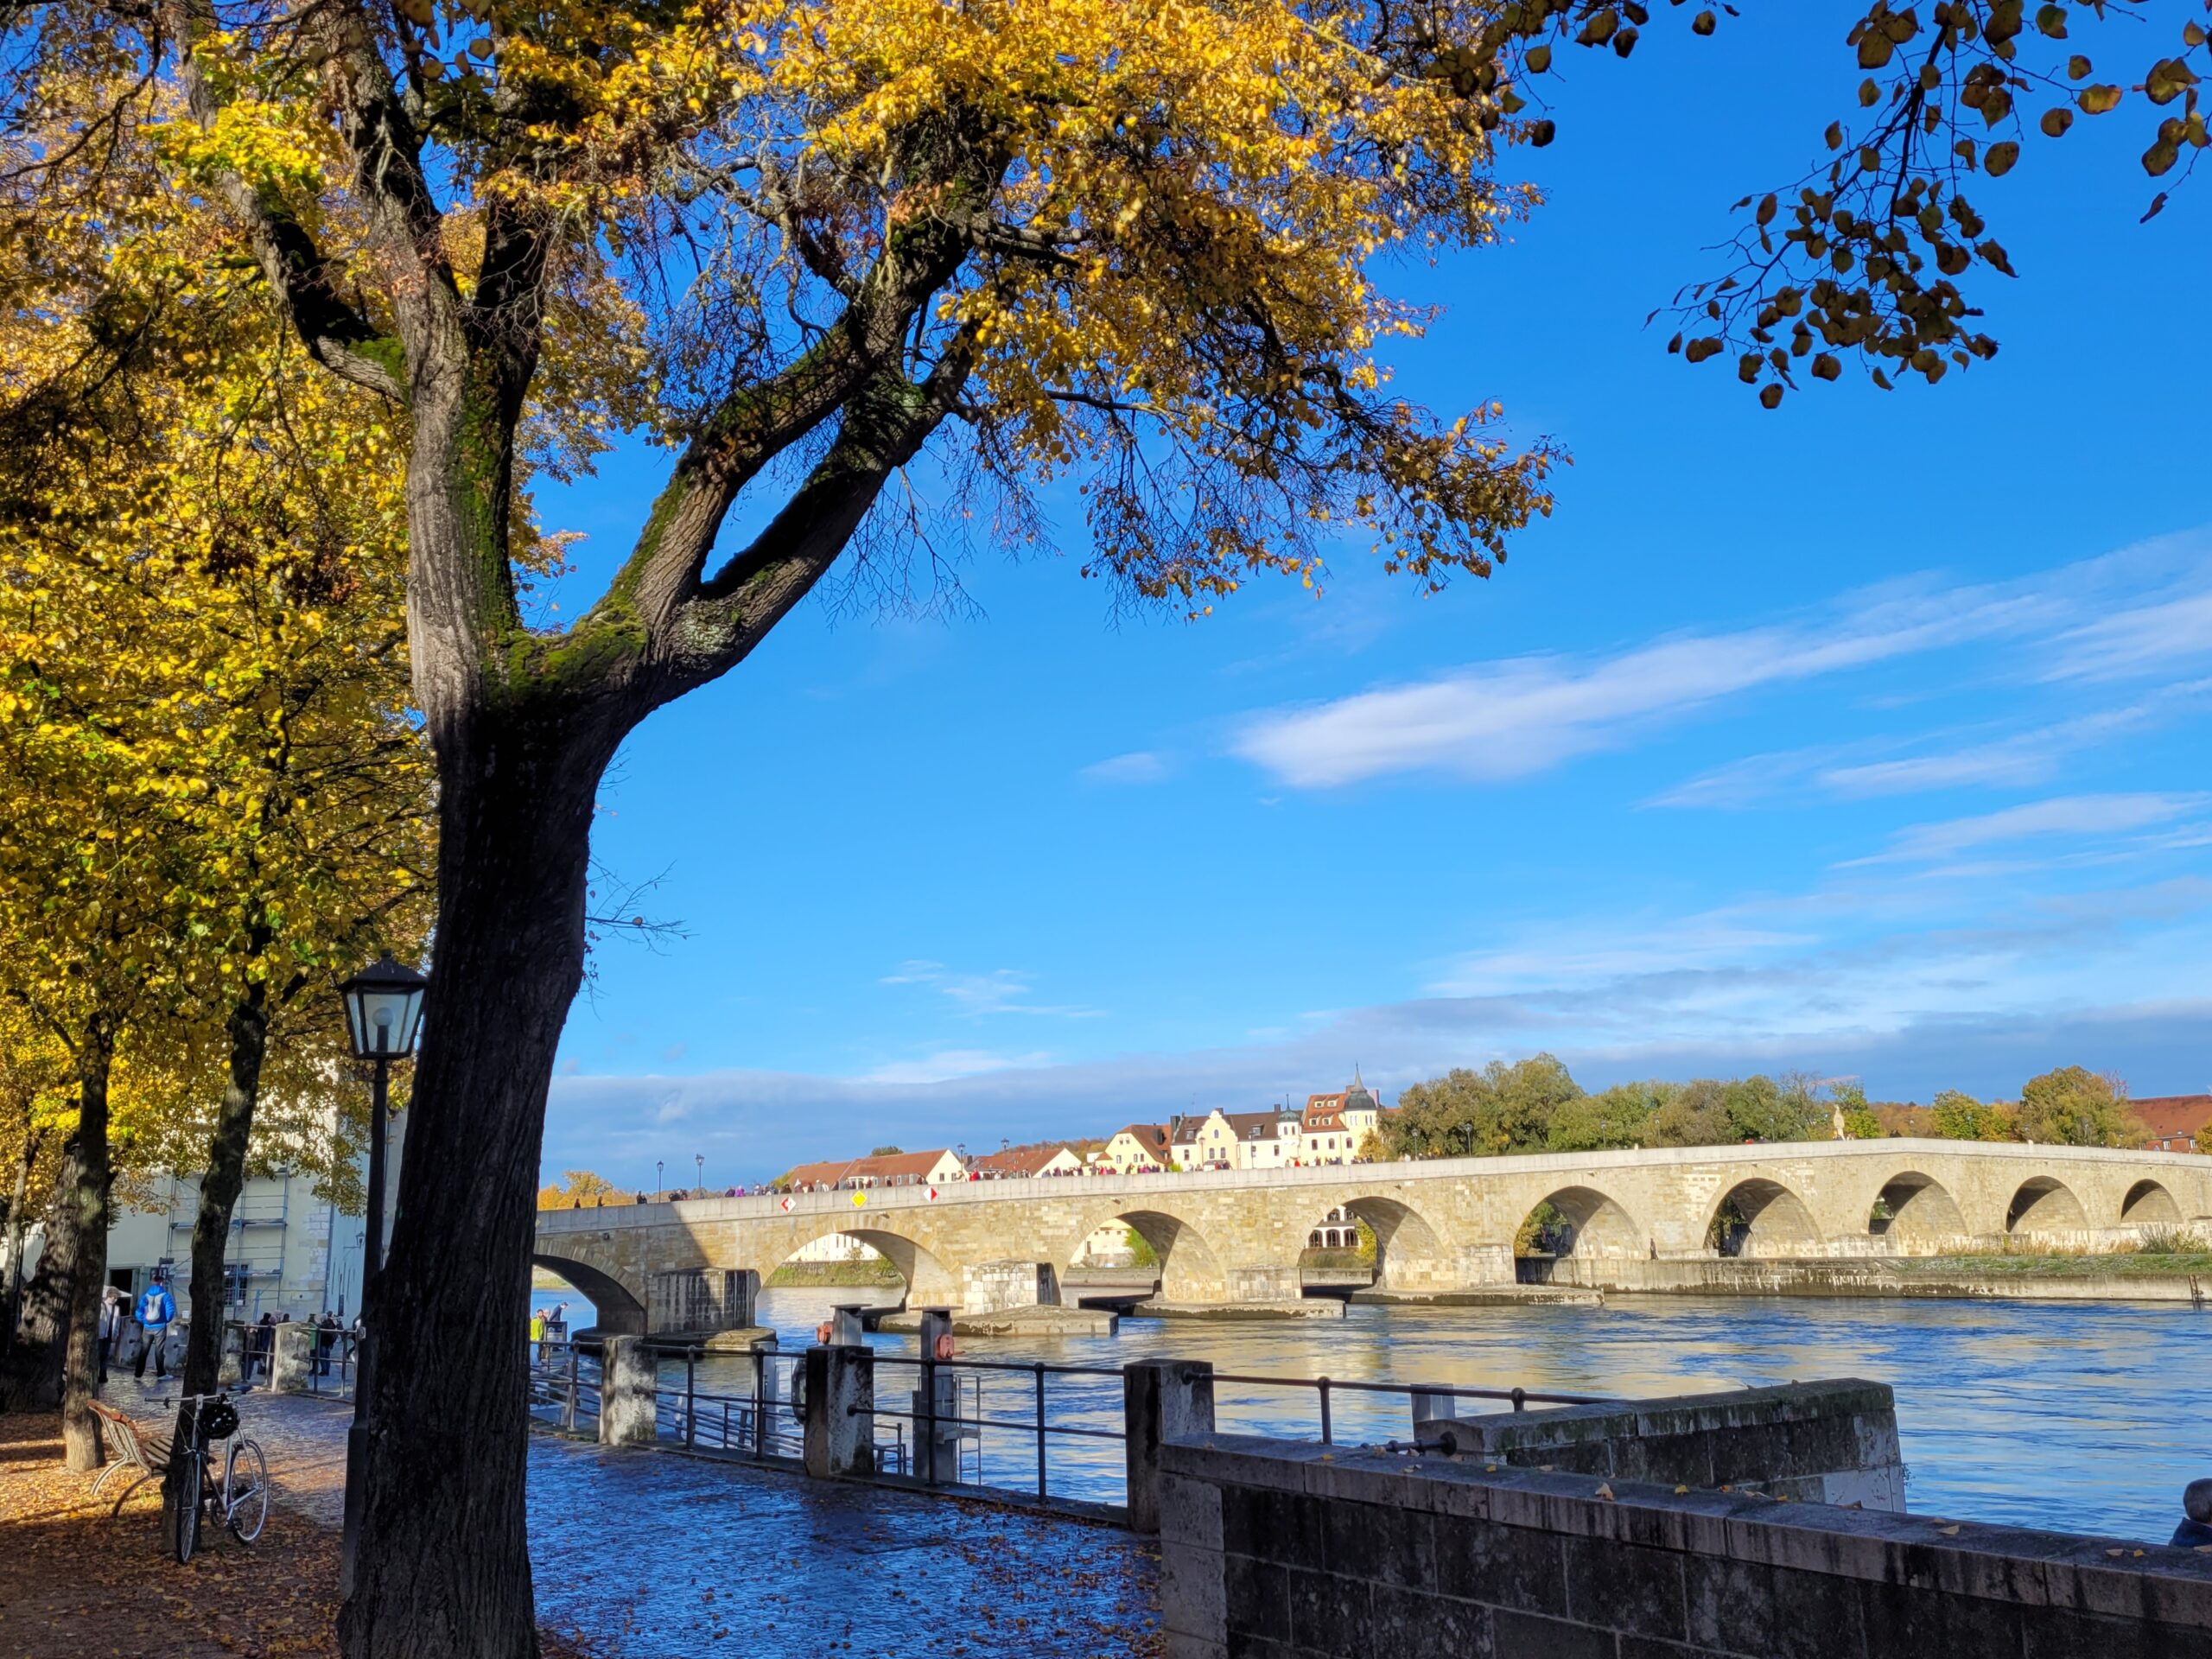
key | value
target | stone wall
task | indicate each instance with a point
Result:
(1834, 1442)
(1288, 1551)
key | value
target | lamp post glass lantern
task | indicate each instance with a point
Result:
(383, 1013)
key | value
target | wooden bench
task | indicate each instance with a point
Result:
(136, 1447)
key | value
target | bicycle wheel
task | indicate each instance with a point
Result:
(245, 1489)
(188, 1507)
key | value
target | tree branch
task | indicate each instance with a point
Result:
(335, 334)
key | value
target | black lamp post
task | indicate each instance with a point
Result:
(700, 1185)
(384, 1011)
(660, 1181)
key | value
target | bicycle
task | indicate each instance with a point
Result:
(242, 1502)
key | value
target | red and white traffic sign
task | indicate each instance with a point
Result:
(787, 1206)
(932, 1195)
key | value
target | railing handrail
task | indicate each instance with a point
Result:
(1448, 1390)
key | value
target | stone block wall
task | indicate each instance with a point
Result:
(1275, 1550)
(1834, 1442)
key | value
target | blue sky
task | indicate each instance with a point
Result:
(1868, 736)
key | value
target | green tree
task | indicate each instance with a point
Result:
(1501, 1109)
(1694, 1114)
(1958, 1115)
(1611, 1118)
(2074, 1106)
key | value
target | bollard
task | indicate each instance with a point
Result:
(840, 1411)
(846, 1330)
(1162, 1400)
(292, 1369)
(628, 1408)
(937, 1405)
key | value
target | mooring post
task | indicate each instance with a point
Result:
(1162, 1400)
(840, 1411)
(629, 1409)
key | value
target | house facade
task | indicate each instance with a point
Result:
(2174, 1121)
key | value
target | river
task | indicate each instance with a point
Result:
(2078, 1417)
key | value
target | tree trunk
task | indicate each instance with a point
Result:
(11, 1288)
(211, 1228)
(79, 1239)
(31, 1380)
(442, 1566)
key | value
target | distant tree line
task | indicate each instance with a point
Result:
(1535, 1105)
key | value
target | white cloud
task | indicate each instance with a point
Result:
(948, 1064)
(1139, 767)
(1512, 719)
(2079, 817)
(2139, 639)
(1003, 990)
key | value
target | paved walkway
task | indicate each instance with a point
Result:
(654, 1555)
(302, 1437)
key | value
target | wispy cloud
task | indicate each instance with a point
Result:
(1142, 767)
(1512, 719)
(1527, 716)
(948, 1064)
(2077, 818)
(1003, 990)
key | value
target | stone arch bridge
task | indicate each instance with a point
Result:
(1235, 1236)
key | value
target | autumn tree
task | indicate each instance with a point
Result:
(576, 1188)
(1955, 1115)
(202, 686)
(1137, 250)
(2075, 1107)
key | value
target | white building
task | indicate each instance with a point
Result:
(290, 1251)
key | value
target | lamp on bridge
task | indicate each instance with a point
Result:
(384, 1013)
(700, 1185)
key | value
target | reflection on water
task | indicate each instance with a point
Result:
(2079, 1417)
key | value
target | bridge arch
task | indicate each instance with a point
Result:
(1409, 1253)
(1761, 1217)
(2044, 1204)
(619, 1313)
(1913, 1208)
(1582, 1221)
(928, 1282)
(1190, 1271)
(2148, 1203)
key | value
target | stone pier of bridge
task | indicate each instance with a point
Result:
(1233, 1237)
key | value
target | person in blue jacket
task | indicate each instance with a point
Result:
(156, 1312)
(2196, 1529)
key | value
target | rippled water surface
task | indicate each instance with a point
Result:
(2081, 1417)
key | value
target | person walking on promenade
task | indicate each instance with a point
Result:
(262, 1340)
(538, 1333)
(111, 1328)
(2196, 1529)
(156, 1312)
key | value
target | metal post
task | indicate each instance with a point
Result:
(1327, 1438)
(1040, 1431)
(760, 1412)
(357, 1437)
(1520, 1399)
(925, 1461)
(691, 1396)
(569, 1406)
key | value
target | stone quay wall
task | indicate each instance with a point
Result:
(1831, 1442)
(1273, 1550)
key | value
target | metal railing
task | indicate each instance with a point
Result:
(334, 1356)
(1416, 1394)
(1006, 1429)
(964, 1410)
(767, 1424)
